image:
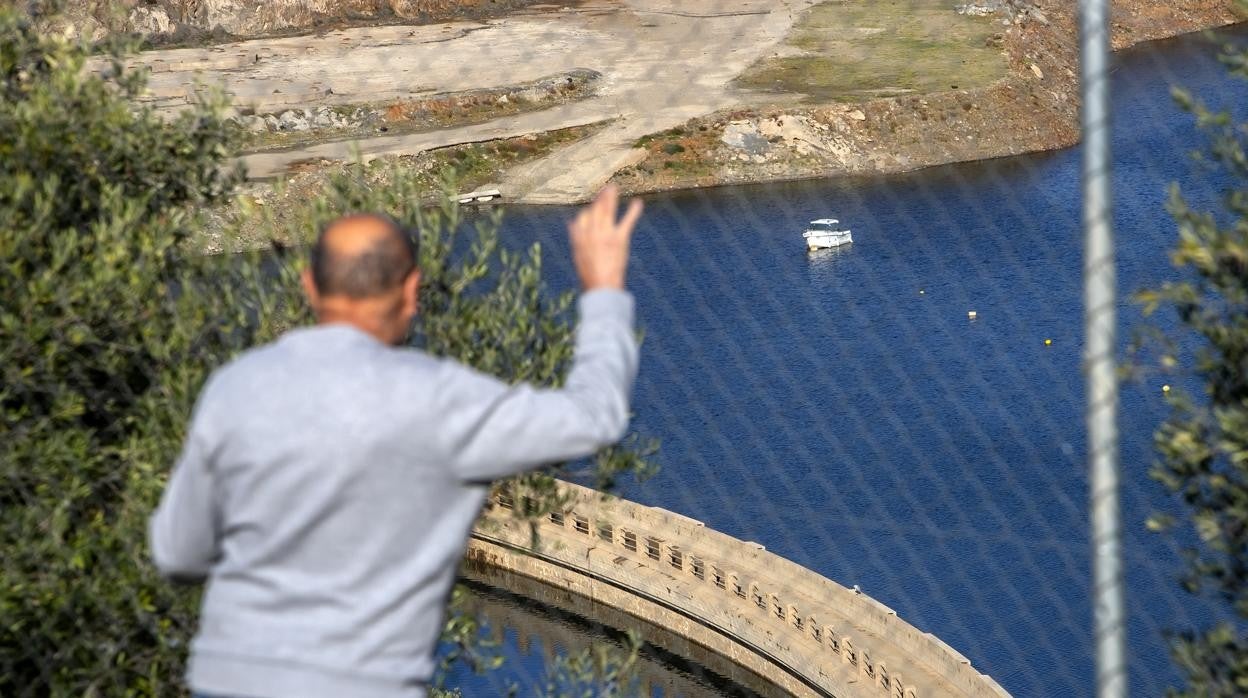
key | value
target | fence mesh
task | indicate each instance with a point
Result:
(902, 414)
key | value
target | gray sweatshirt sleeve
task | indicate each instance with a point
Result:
(183, 532)
(492, 430)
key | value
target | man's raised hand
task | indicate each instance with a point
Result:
(600, 242)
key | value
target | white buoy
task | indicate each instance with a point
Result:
(971, 314)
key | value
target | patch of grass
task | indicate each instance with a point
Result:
(677, 152)
(476, 164)
(668, 135)
(850, 50)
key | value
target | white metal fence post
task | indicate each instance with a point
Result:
(1099, 325)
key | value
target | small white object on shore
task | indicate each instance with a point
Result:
(480, 196)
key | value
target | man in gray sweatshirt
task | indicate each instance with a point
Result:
(329, 480)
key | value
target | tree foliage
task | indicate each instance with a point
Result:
(97, 363)
(1204, 442)
(110, 323)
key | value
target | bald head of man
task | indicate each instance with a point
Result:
(363, 273)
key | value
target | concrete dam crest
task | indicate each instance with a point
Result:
(808, 634)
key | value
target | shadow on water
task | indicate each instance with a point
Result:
(539, 621)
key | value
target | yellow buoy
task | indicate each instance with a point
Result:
(1047, 342)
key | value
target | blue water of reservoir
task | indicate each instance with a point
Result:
(841, 409)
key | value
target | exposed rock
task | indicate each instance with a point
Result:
(75, 28)
(292, 121)
(93, 19)
(1015, 11)
(253, 17)
(744, 135)
(978, 9)
(797, 132)
(255, 124)
(146, 19)
(415, 9)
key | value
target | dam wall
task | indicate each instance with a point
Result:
(808, 634)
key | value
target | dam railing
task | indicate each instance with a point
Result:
(809, 634)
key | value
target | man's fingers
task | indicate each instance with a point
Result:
(612, 204)
(630, 217)
(600, 239)
(599, 209)
(576, 226)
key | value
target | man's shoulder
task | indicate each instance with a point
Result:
(303, 353)
(243, 369)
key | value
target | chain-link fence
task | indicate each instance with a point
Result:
(903, 414)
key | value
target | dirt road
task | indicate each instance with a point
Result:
(663, 62)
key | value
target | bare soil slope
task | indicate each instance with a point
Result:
(201, 21)
(961, 115)
(690, 92)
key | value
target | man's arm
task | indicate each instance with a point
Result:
(492, 430)
(183, 533)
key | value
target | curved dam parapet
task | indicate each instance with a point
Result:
(808, 634)
(545, 618)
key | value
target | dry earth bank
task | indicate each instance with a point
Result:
(956, 109)
(474, 165)
(291, 129)
(166, 22)
(694, 92)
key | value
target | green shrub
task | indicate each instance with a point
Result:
(98, 365)
(1204, 442)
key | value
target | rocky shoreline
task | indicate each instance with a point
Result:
(200, 22)
(717, 92)
(1035, 108)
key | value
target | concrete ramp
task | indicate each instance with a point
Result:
(573, 174)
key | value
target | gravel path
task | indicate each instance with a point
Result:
(663, 62)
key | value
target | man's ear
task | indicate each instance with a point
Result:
(411, 293)
(309, 289)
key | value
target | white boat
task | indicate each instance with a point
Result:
(481, 196)
(822, 233)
